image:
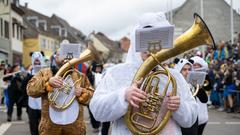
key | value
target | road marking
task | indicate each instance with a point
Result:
(214, 123)
(4, 127)
(19, 122)
(227, 123)
(232, 123)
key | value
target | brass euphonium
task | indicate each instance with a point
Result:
(145, 119)
(62, 98)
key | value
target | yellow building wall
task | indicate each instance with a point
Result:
(50, 45)
(29, 45)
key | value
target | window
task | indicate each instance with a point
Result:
(21, 34)
(1, 27)
(42, 24)
(43, 43)
(4, 2)
(13, 30)
(33, 20)
(56, 29)
(18, 33)
(64, 32)
(6, 27)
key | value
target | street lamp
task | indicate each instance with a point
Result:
(201, 9)
(231, 14)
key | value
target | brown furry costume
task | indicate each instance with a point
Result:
(36, 88)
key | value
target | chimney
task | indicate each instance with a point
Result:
(26, 5)
(15, 2)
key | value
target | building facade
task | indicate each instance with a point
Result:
(11, 31)
(110, 50)
(45, 34)
(5, 46)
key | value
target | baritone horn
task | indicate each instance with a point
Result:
(62, 98)
(146, 119)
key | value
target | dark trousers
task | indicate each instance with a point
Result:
(34, 119)
(193, 130)
(95, 124)
(10, 107)
(201, 128)
(105, 127)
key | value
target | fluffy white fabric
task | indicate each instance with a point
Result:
(181, 63)
(109, 104)
(200, 61)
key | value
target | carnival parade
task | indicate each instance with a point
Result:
(169, 67)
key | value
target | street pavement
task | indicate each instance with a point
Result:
(220, 123)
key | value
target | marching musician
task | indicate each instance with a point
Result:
(115, 91)
(34, 104)
(199, 64)
(93, 70)
(14, 92)
(59, 122)
(184, 66)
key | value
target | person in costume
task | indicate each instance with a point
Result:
(14, 92)
(199, 64)
(34, 104)
(184, 66)
(91, 72)
(116, 92)
(64, 122)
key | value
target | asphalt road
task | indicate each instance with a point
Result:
(220, 123)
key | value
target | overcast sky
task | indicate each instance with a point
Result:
(115, 18)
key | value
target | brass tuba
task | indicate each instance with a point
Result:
(62, 98)
(146, 119)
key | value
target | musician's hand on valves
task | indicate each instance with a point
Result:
(173, 103)
(78, 91)
(56, 82)
(134, 95)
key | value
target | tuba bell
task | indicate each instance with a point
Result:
(147, 120)
(62, 98)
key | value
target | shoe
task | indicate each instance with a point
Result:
(9, 118)
(19, 118)
(95, 130)
(230, 110)
(211, 107)
(220, 109)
